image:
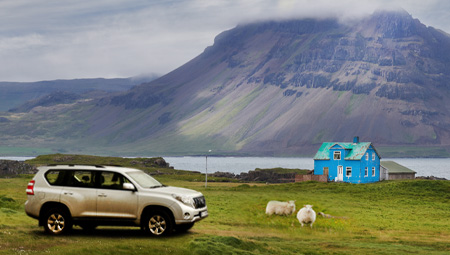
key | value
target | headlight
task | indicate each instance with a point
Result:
(185, 200)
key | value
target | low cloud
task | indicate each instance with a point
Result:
(52, 39)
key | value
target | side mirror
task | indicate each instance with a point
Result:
(129, 186)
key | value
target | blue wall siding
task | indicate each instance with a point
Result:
(369, 164)
(358, 167)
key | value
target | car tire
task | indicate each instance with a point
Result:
(57, 221)
(184, 227)
(158, 223)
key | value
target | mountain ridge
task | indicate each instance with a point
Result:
(282, 88)
(13, 94)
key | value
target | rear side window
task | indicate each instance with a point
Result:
(56, 177)
(75, 178)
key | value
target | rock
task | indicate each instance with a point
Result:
(64, 158)
(289, 92)
(140, 100)
(58, 97)
(266, 176)
(434, 178)
(224, 174)
(161, 162)
(13, 168)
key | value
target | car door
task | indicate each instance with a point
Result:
(79, 193)
(112, 200)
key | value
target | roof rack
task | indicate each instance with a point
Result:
(72, 165)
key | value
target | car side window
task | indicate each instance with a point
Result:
(56, 177)
(111, 180)
(71, 178)
(82, 179)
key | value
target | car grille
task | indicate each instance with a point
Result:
(199, 202)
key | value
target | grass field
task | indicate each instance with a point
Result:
(390, 217)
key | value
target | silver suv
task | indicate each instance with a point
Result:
(89, 196)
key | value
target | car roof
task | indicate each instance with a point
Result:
(88, 167)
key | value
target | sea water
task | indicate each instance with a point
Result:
(439, 167)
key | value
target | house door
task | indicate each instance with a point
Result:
(340, 173)
(325, 171)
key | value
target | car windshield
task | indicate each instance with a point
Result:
(144, 180)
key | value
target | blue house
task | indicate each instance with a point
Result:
(356, 162)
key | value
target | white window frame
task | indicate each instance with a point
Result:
(366, 173)
(373, 171)
(347, 169)
(367, 156)
(373, 156)
(337, 155)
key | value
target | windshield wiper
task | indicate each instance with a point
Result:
(157, 186)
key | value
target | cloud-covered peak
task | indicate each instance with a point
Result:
(122, 38)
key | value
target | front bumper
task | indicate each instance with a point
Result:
(190, 216)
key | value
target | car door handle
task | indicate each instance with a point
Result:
(102, 195)
(68, 193)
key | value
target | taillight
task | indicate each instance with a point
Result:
(30, 188)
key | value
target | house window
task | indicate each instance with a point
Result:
(366, 172)
(367, 156)
(373, 156)
(373, 171)
(348, 171)
(337, 155)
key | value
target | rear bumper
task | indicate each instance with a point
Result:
(31, 211)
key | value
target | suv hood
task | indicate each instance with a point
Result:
(175, 190)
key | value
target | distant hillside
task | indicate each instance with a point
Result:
(14, 94)
(273, 88)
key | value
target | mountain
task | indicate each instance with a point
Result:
(14, 94)
(274, 88)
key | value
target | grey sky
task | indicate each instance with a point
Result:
(66, 39)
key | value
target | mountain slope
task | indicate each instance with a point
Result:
(13, 94)
(282, 88)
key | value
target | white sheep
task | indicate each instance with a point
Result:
(306, 215)
(280, 208)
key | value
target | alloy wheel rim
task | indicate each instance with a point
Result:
(56, 223)
(157, 225)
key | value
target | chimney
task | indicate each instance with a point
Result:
(356, 140)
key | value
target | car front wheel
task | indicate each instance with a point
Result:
(158, 223)
(57, 221)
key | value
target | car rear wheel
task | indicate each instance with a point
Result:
(158, 223)
(57, 221)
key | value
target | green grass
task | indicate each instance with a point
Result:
(390, 217)
(147, 164)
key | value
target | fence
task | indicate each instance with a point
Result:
(310, 177)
